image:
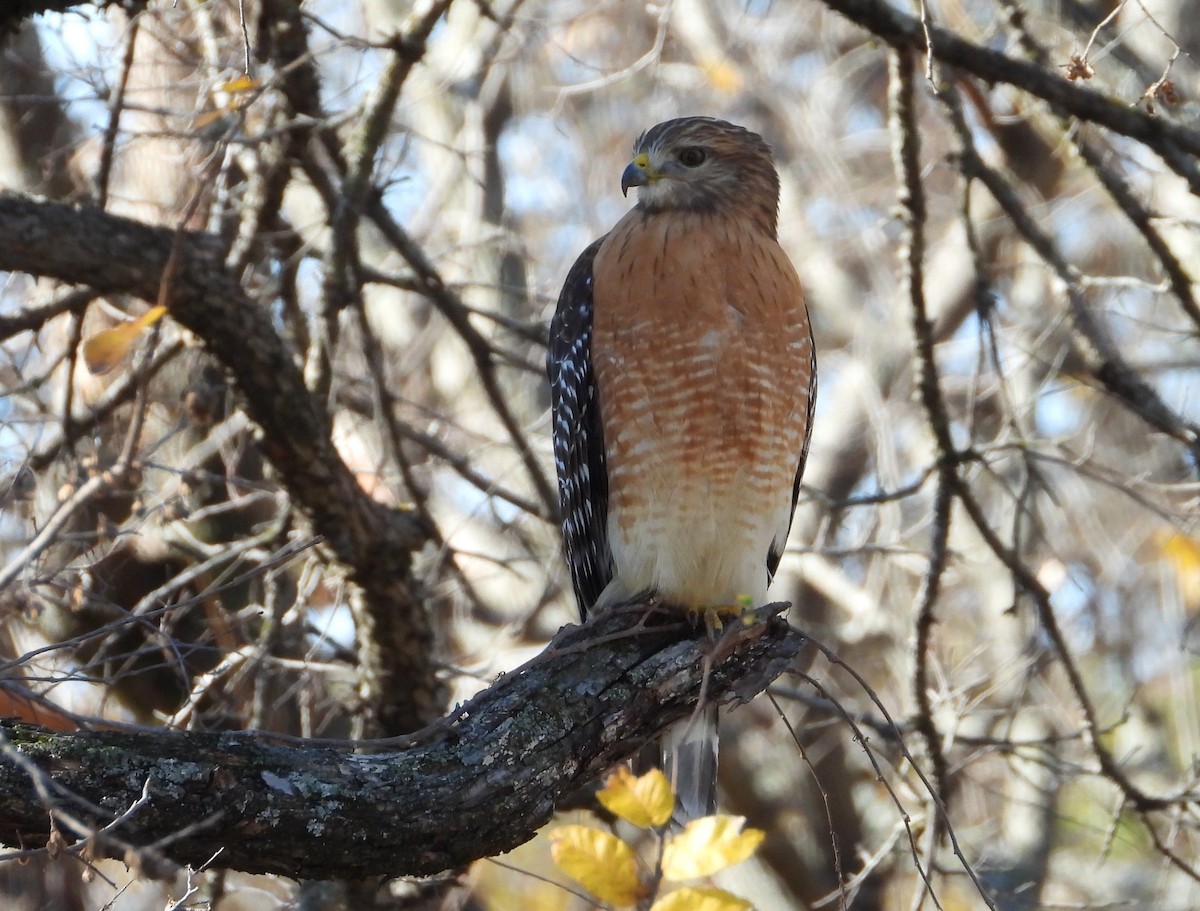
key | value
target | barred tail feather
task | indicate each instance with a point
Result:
(689, 751)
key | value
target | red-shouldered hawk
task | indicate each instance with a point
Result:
(683, 378)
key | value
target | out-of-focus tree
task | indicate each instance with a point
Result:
(316, 498)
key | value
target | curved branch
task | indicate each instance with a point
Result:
(85, 246)
(477, 783)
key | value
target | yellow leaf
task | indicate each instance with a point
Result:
(208, 118)
(646, 800)
(242, 83)
(705, 898)
(724, 77)
(601, 863)
(1183, 553)
(707, 845)
(107, 348)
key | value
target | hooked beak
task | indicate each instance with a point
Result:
(636, 174)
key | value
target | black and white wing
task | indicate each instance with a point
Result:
(579, 435)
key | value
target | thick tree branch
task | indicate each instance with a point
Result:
(480, 782)
(86, 246)
(394, 640)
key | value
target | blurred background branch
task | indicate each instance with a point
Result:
(314, 498)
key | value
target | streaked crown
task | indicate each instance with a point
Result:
(707, 165)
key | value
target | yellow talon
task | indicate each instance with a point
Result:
(712, 621)
(714, 617)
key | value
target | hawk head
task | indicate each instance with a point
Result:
(702, 164)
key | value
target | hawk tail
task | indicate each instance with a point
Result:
(689, 751)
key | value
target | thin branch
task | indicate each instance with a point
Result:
(842, 892)
(1091, 341)
(863, 741)
(118, 393)
(836, 659)
(1028, 583)
(31, 319)
(1178, 145)
(48, 534)
(116, 103)
(1112, 181)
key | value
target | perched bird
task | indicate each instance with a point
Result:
(683, 377)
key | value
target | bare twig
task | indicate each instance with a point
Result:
(1101, 356)
(116, 104)
(1112, 181)
(1029, 584)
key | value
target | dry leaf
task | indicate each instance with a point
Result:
(107, 348)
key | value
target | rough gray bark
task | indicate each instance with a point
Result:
(478, 783)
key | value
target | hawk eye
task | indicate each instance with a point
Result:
(693, 156)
